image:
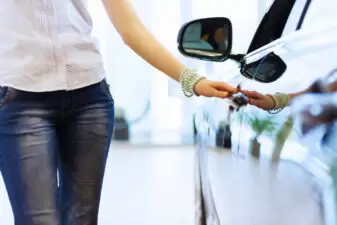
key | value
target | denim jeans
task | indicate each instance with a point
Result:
(53, 151)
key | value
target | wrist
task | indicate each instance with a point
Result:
(280, 102)
(273, 104)
(189, 79)
(195, 91)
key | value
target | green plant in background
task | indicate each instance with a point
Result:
(281, 138)
(260, 124)
(333, 174)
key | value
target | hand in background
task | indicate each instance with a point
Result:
(261, 101)
(217, 89)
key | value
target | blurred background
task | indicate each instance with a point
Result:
(161, 114)
(151, 171)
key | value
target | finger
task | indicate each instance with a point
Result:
(221, 86)
(254, 102)
(252, 94)
(220, 94)
(249, 93)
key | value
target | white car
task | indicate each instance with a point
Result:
(294, 45)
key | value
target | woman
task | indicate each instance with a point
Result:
(56, 109)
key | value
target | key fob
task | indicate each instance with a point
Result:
(239, 100)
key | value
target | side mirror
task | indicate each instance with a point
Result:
(265, 70)
(206, 39)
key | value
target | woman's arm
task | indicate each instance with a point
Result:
(268, 102)
(294, 95)
(140, 40)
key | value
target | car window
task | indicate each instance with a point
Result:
(320, 14)
(296, 16)
(272, 24)
(284, 18)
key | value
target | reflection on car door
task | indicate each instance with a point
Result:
(306, 54)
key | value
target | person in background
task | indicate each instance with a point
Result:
(205, 39)
(221, 39)
(197, 37)
(56, 109)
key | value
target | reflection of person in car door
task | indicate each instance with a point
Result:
(275, 103)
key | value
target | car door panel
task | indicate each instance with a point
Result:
(272, 24)
(309, 52)
(303, 47)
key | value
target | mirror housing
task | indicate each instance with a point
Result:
(265, 70)
(207, 39)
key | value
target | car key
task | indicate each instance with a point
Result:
(239, 99)
(230, 113)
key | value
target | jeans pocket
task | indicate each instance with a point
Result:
(6, 95)
(106, 89)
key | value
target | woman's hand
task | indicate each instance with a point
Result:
(261, 101)
(142, 41)
(217, 89)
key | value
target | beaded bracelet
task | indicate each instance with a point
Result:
(188, 79)
(280, 102)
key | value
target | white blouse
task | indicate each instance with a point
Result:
(46, 45)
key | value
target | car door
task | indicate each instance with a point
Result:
(283, 18)
(278, 57)
(287, 59)
(306, 51)
(302, 39)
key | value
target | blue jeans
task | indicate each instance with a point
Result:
(53, 151)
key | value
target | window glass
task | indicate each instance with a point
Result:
(272, 24)
(313, 18)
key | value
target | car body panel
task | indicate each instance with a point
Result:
(312, 52)
(308, 48)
